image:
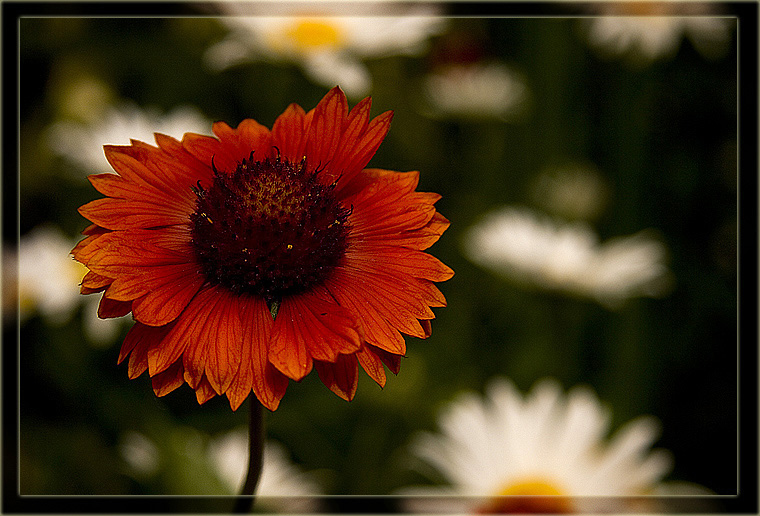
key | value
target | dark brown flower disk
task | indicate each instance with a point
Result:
(270, 228)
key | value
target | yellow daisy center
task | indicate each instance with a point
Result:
(313, 34)
(529, 496)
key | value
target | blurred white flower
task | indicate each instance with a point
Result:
(48, 283)
(646, 31)
(475, 90)
(323, 38)
(572, 191)
(79, 95)
(545, 452)
(140, 453)
(82, 143)
(282, 487)
(568, 257)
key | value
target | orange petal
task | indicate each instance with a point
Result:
(413, 294)
(155, 172)
(169, 175)
(213, 339)
(86, 247)
(208, 149)
(289, 133)
(364, 148)
(309, 326)
(401, 306)
(140, 338)
(116, 187)
(155, 266)
(377, 329)
(405, 261)
(185, 332)
(94, 229)
(372, 364)
(126, 214)
(110, 308)
(166, 302)
(204, 391)
(391, 360)
(340, 377)
(354, 126)
(196, 170)
(326, 128)
(256, 372)
(287, 350)
(138, 341)
(127, 166)
(252, 136)
(224, 350)
(426, 327)
(168, 380)
(388, 210)
(92, 283)
(370, 180)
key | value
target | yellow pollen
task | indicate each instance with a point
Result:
(313, 34)
(290, 246)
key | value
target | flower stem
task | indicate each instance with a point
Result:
(244, 502)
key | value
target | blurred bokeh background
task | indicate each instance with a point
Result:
(588, 169)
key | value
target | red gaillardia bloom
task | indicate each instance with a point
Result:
(249, 258)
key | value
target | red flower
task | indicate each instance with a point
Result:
(250, 258)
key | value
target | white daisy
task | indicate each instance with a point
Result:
(539, 251)
(48, 283)
(475, 90)
(543, 452)
(283, 486)
(327, 42)
(645, 32)
(139, 453)
(82, 143)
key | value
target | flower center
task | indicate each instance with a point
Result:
(312, 34)
(269, 228)
(532, 496)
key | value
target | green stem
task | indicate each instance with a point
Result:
(244, 502)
